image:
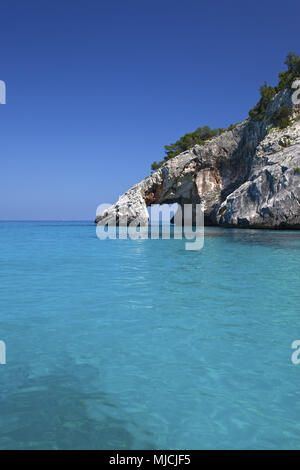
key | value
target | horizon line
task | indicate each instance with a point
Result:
(46, 220)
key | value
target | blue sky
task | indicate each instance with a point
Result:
(95, 89)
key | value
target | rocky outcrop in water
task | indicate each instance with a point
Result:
(246, 177)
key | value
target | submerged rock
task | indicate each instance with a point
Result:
(246, 177)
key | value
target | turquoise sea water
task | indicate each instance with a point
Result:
(140, 344)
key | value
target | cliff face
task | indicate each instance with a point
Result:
(247, 177)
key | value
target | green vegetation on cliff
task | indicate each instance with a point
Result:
(200, 136)
(268, 92)
(280, 118)
(293, 71)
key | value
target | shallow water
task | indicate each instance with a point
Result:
(129, 344)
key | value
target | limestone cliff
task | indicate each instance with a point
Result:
(246, 177)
